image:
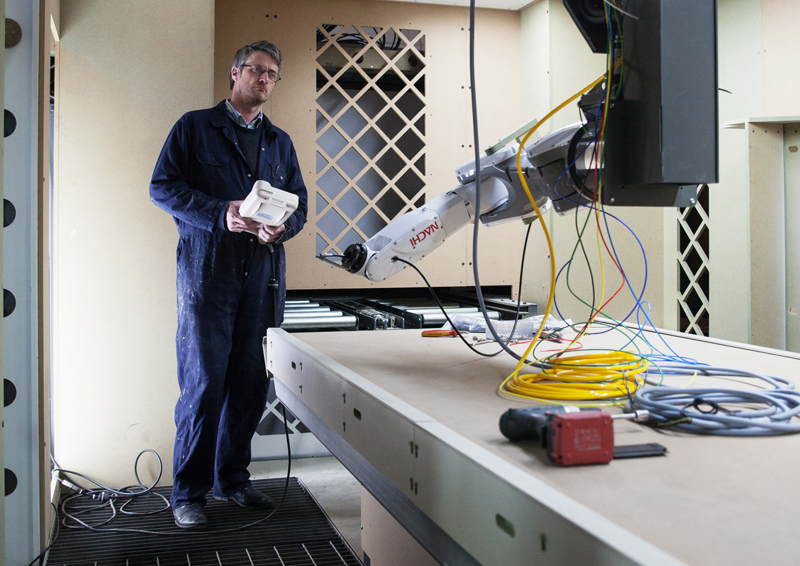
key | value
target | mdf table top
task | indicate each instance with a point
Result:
(710, 500)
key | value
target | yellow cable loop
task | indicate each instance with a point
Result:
(585, 377)
(577, 378)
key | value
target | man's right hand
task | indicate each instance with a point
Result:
(238, 223)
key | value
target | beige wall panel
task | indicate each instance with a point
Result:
(292, 26)
(781, 43)
(238, 23)
(791, 160)
(535, 60)
(740, 72)
(128, 72)
(767, 236)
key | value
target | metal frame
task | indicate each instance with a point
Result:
(20, 327)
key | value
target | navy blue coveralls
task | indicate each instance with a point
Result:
(225, 304)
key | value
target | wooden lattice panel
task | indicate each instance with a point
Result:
(370, 125)
(693, 300)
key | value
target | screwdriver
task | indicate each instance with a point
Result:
(438, 333)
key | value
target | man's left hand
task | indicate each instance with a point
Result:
(269, 234)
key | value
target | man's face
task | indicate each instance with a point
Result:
(250, 87)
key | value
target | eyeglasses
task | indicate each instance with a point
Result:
(272, 76)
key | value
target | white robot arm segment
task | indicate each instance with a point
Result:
(417, 233)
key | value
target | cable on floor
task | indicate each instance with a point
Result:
(105, 497)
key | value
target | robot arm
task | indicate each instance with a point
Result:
(418, 232)
(555, 170)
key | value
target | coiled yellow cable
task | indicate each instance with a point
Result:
(600, 376)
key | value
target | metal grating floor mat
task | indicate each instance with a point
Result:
(299, 534)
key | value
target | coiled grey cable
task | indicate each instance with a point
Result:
(706, 410)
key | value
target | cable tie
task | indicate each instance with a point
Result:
(700, 401)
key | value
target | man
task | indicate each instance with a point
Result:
(230, 279)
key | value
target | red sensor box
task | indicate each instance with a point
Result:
(586, 437)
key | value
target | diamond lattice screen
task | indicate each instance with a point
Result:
(693, 266)
(370, 160)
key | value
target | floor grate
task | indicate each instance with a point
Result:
(299, 534)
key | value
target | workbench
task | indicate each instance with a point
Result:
(416, 422)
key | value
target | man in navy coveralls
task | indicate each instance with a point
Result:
(230, 279)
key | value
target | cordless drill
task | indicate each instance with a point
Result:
(570, 435)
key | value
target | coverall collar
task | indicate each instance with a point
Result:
(220, 119)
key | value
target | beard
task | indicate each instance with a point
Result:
(251, 95)
(259, 96)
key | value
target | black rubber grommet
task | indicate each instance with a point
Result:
(9, 123)
(11, 482)
(9, 392)
(9, 302)
(9, 213)
(13, 33)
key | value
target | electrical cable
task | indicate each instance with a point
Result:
(54, 530)
(639, 304)
(597, 197)
(617, 8)
(517, 385)
(584, 377)
(716, 371)
(515, 374)
(596, 200)
(104, 492)
(476, 146)
(78, 523)
(449, 321)
(705, 410)
(598, 128)
(602, 377)
(579, 230)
